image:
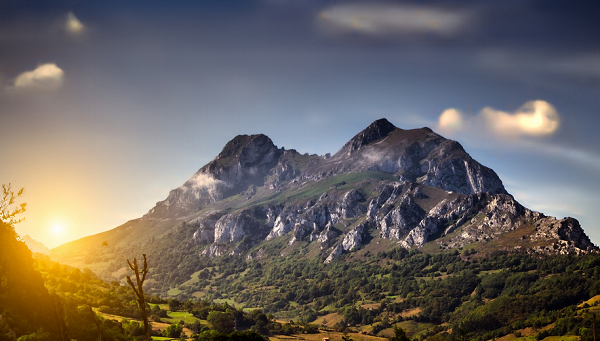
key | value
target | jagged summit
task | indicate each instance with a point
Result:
(375, 131)
(244, 161)
(413, 155)
(239, 144)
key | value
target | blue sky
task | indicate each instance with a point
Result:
(106, 106)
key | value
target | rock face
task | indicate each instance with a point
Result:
(244, 161)
(409, 187)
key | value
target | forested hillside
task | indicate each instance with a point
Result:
(484, 294)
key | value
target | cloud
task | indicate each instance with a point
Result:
(44, 77)
(495, 129)
(534, 118)
(450, 119)
(73, 25)
(394, 19)
(555, 71)
(207, 181)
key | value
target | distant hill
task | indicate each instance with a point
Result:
(35, 246)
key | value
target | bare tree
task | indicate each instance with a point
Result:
(139, 291)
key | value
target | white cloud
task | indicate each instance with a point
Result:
(534, 118)
(450, 119)
(373, 156)
(207, 181)
(73, 25)
(44, 77)
(492, 129)
(394, 19)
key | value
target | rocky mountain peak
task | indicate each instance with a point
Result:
(242, 153)
(375, 131)
(236, 146)
(411, 188)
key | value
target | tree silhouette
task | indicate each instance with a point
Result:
(139, 291)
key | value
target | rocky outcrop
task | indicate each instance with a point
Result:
(567, 236)
(401, 219)
(450, 168)
(397, 213)
(425, 188)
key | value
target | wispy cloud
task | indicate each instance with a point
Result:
(73, 25)
(534, 118)
(44, 77)
(536, 66)
(384, 19)
(202, 180)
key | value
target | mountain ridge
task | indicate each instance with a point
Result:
(412, 187)
(423, 157)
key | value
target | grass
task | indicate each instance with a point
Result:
(592, 301)
(329, 320)
(174, 292)
(176, 316)
(410, 327)
(333, 336)
(226, 300)
(193, 278)
(313, 190)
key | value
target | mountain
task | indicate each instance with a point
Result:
(398, 227)
(35, 246)
(385, 187)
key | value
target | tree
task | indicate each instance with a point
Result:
(173, 331)
(8, 199)
(221, 322)
(399, 335)
(139, 290)
(174, 304)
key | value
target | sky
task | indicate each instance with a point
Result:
(105, 106)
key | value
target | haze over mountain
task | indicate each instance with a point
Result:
(34, 245)
(386, 186)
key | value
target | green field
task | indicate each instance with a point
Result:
(174, 292)
(176, 316)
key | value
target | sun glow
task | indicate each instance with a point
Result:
(57, 229)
